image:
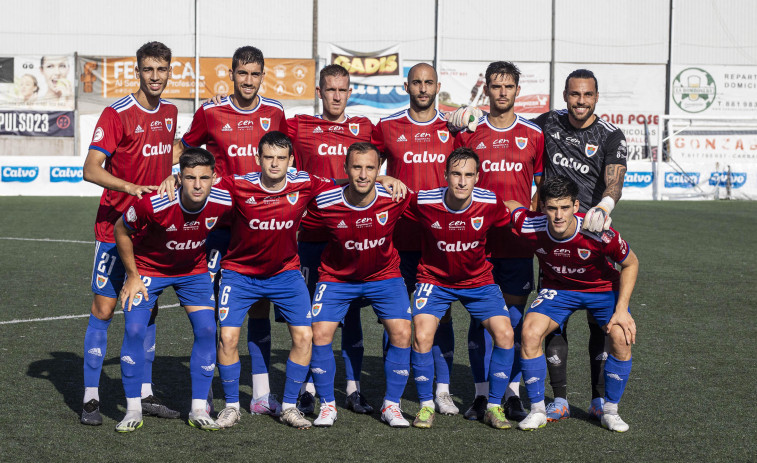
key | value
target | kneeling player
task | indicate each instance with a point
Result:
(162, 243)
(453, 266)
(577, 274)
(359, 261)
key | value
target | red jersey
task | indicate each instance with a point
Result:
(510, 159)
(138, 143)
(170, 241)
(416, 153)
(320, 148)
(577, 263)
(360, 238)
(233, 134)
(454, 242)
(264, 223)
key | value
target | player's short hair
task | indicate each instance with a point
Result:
(277, 139)
(582, 74)
(361, 147)
(499, 68)
(332, 70)
(193, 157)
(558, 187)
(462, 153)
(247, 55)
(154, 50)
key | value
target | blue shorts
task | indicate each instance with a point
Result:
(560, 305)
(388, 298)
(216, 246)
(482, 303)
(192, 290)
(409, 268)
(287, 290)
(514, 276)
(108, 272)
(310, 260)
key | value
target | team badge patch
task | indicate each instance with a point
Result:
(316, 309)
(210, 221)
(584, 253)
(131, 215)
(420, 302)
(382, 217)
(136, 300)
(265, 122)
(607, 236)
(477, 222)
(169, 123)
(535, 303)
(591, 150)
(292, 197)
(443, 135)
(521, 142)
(354, 129)
(101, 281)
(223, 312)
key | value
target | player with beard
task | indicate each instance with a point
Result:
(415, 144)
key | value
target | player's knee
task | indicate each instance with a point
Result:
(530, 337)
(322, 335)
(400, 335)
(103, 307)
(204, 331)
(423, 341)
(136, 331)
(302, 337)
(228, 342)
(503, 337)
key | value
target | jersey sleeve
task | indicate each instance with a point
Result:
(518, 217)
(501, 215)
(411, 210)
(539, 161)
(283, 125)
(461, 139)
(320, 184)
(197, 134)
(108, 133)
(615, 247)
(540, 120)
(139, 215)
(615, 148)
(226, 183)
(377, 138)
(312, 219)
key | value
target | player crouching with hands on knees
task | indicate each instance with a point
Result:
(578, 273)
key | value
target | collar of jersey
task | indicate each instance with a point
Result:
(497, 129)
(151, 111)
(444, 203)
(245, 111)
(346, 118)
(407, 114)
(356, 208)
(578, 227)
(178, 200)
(286, 182)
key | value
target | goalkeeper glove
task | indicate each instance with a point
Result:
(598, 217)
(465, 117)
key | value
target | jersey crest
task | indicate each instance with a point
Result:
(477, 222)
(443, 135)
(169, 123)
(420, 302)
(210, 221)
(584, 253)
(265, 123)
(521, 142)
(382, 217)
(292, 197)
(222, 313)
(316, 309)
(101, 281)
(590, 150)
(354, 129)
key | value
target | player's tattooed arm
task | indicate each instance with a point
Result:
(614, 176)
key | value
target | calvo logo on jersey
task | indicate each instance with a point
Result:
(590, 150)
(584, 253)
(210, 221)
(354, 129)
(265, 122)
(382, 217)
(292, 197)
(420, 302)
(477, 222)
(19, 174)
(169, 123)
(316, 309)
(443, 135)
(521, 142)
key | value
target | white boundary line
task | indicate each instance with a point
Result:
(45, 239)
(66, 317)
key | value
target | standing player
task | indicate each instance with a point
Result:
(416, 143)
(162, 243)
(320, 148)
(133, 139)
(231, 129)
(453, 266)
(576, 274)
(359, 262)
(510, 149)
(591, 152)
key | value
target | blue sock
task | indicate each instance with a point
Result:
(352, 344)
(444, 350)
(230, 381)
(133, 352)
(259, 344)
(516, 318)
(479, 351)
(396, 371)
(149, 347)
(534, 373)
(385, 343)
(616, 378)
(423, 370)
(323, 371)
(295, 376)
(95, 344)
(499, 373)
(203, 359)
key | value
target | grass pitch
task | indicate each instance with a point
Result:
(688, 398)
